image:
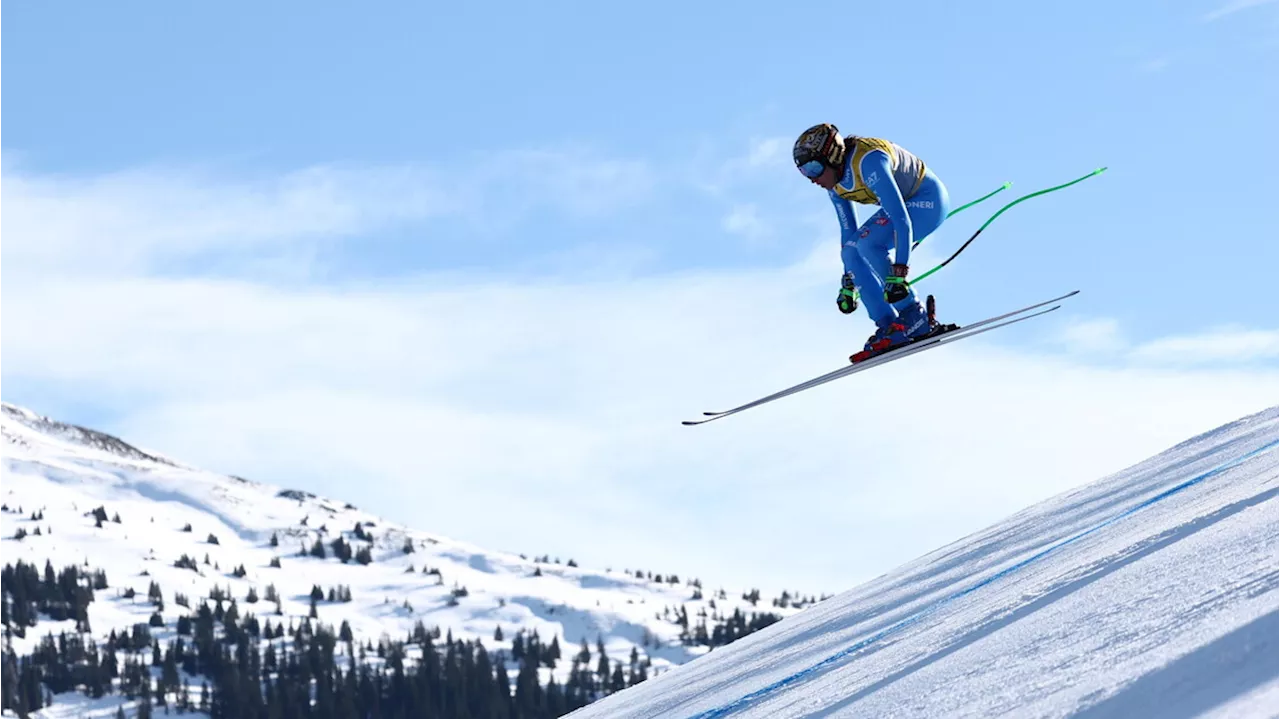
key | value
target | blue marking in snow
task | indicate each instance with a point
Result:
(744, 700)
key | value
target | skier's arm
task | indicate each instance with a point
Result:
(877, 174)
(848, 229)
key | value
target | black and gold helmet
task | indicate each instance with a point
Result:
(821, 143)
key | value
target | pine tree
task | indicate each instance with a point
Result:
(341, 549)
(602, 668)
(552, 654)
(617, 681)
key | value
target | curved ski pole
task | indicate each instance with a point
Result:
(961, 208)
(967, 205)
(991, 219)
(1001, 211)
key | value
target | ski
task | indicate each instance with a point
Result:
(913, 348)
(897, 352)
(906, 350)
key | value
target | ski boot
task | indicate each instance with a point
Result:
(914, 323)
(886, 337)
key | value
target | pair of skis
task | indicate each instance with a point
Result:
(897, 353)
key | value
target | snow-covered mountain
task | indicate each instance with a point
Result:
(1150, 593)
(1154, 592)
(74, 496)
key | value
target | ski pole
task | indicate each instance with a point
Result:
(967, 205)
(991, 219)
(999, 212)
(854, 293)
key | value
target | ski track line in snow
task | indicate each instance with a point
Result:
(747, 699)
(1094, 572)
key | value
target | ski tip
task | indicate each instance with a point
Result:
(692, 422)
(712, 414)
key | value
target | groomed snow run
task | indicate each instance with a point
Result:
(1149, 593)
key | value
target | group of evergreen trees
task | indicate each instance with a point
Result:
(250, 669)
(60, 595)
(723, 630)
(21, 689)
(24, 596)
(245, 668)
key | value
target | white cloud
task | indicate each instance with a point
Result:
(768, 152)
(1233, 6)
(137, 221)
(1092, 336)
(577, 180)
(546, 417)
(1154, 65)
(129, 221)
(764, 160)
(745, 220)
(1220, 346)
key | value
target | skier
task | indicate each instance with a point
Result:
(913, 203)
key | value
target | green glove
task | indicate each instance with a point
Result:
(848, 299)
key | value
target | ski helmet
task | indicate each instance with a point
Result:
(820, 142)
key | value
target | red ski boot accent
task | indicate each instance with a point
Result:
(880, 342)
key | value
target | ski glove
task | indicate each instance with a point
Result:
(896, 287)
(848, 299)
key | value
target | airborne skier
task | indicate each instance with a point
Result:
(913, 203)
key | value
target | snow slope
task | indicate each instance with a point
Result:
(62, 473)
(1150, 593)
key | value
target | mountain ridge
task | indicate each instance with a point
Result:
(170, 511)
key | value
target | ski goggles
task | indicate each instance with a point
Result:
(811, 169)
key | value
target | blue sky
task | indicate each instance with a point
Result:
(542, 235)
(989, 93)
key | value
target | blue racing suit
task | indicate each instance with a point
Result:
(913, 203)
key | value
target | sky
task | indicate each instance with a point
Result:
(468, 267)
